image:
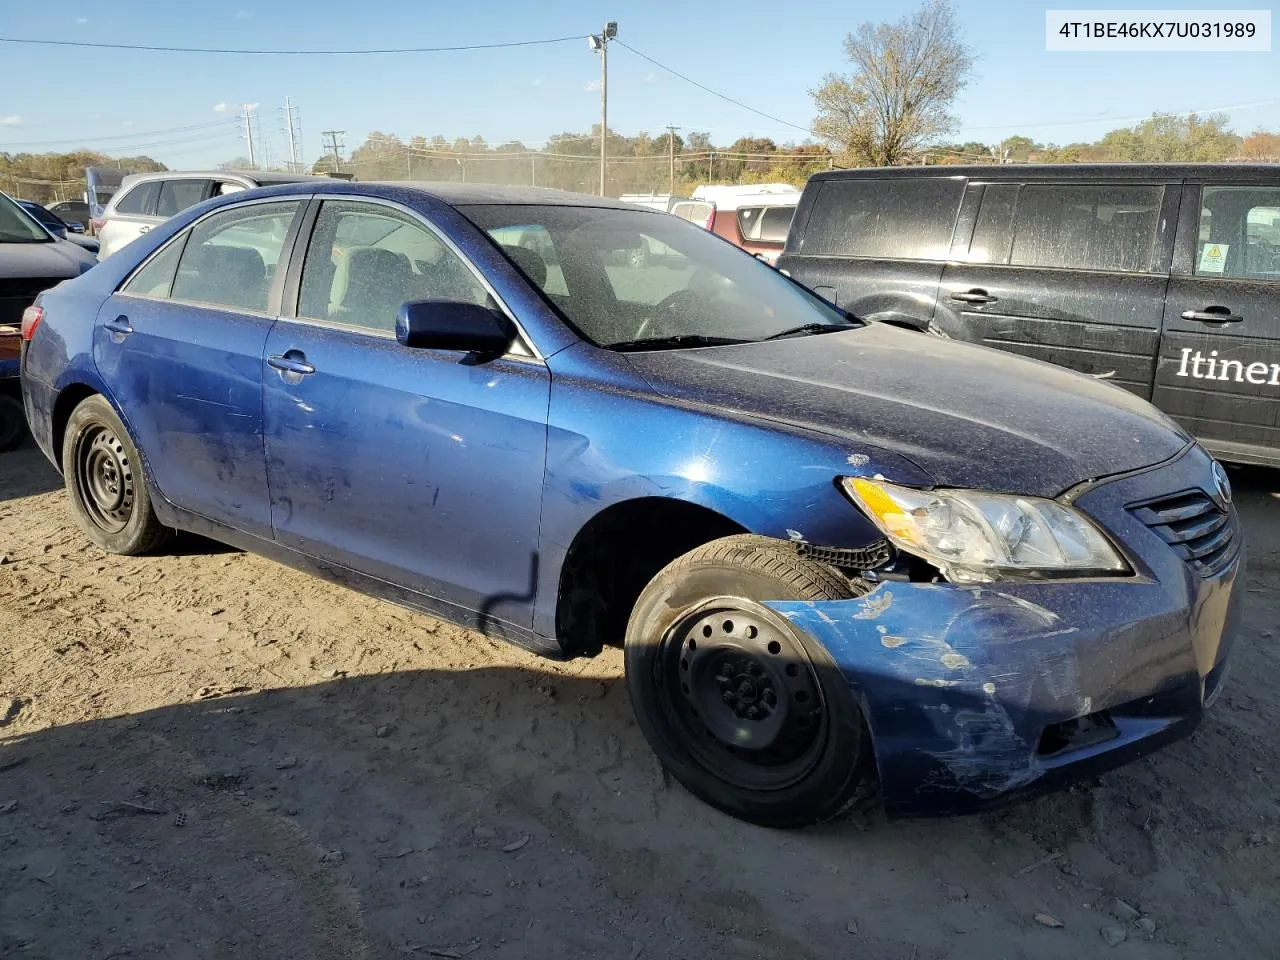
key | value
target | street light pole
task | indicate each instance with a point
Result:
(600, 44)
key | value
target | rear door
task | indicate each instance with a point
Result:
(131, 215)
(1069, 273)
(179, 346)
(877, 247)
(1219, 372)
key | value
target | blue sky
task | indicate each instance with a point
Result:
(753, 51)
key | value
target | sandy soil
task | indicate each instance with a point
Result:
(204, 754)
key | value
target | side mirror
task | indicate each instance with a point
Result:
(453, 325)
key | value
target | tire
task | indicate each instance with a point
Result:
(104, 479)
(13, 423)
(757, 720)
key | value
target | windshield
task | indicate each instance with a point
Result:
(638, 280)
(17, 226)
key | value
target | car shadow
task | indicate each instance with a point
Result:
(25, 472)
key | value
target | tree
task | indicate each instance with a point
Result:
(1261, 145)
(906, 75)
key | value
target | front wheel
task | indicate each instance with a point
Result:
(743, 708)
(103, 476)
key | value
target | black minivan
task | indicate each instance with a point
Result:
(1162, 278)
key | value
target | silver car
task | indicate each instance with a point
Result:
(147, 199)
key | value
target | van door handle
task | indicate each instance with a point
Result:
(1212, 315)
(973, 296)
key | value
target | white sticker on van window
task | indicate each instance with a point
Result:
(1213, 257)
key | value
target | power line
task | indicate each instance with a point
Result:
(287, 53)
(140, 134)
(714, 93)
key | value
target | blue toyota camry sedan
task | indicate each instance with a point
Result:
(844, 560)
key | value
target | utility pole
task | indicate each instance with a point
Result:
(248, 131)
(295, 160)
(533, 169)
(335, 147)
(600, 43)
(671, 154)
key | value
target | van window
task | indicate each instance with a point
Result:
(1239, 233)
(992, 235)
(695, 211)
(140, 200)
(890, 219)
(177, 195)
(1104, 227)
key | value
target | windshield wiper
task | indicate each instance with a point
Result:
(677, 340)
(807, 328)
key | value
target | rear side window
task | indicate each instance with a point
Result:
(231, 257)
(767, 224)
(1109, 227)
(1239, 233)
(888, 219)
(140, 200)
(177, 195)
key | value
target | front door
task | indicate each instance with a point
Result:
(1070, 273)
(180, 348)
(420, 467)
(1219, 371)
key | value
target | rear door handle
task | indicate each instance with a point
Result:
(291, 365)
(1212, 315)
(119, 328)
(144, 228)
(973, 296)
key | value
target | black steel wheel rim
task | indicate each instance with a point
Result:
(104, 478)
(743, 695)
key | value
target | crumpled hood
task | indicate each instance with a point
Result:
(970, 416)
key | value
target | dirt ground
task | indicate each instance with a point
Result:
(204, 754)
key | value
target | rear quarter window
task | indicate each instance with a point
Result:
(1105, 227)
(896, 219)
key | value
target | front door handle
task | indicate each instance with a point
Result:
(296, 365)
(973, 296)
(119, 328)
(1212, 315)
(144, 228)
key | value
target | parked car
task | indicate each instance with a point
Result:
(31, 260)
(753, 216)
(72, 232)
(72, 212)
(1163, 279)
(145, 200)
(832, 550)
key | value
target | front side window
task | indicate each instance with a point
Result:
(230, 257)
(689, 288)
(141, 200)
(892, 219)
(177, 195)
(1239, 233)
(1108, 227)
(365, 260)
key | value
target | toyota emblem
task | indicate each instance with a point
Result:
(1222, 484)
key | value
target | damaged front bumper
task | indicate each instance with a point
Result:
(975, 693)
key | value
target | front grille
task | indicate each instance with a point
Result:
(1199, 531)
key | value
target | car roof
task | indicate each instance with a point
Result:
(1059, 171)
(263, 177)
(472, 194)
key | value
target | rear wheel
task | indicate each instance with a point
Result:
(103, 476)
(744, 709)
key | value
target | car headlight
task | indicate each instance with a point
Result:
(976, 537)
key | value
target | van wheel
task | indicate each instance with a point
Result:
(103, 476)
(745, 710)
(13, 423)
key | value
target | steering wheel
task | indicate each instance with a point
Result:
(667, 307)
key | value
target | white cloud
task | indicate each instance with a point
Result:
(220, 107)
(651, 78)
(244, 15)
(593, 85)
(81, 21)
(13, 120)
(537, 82)
(251, 106)
(127, 123)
